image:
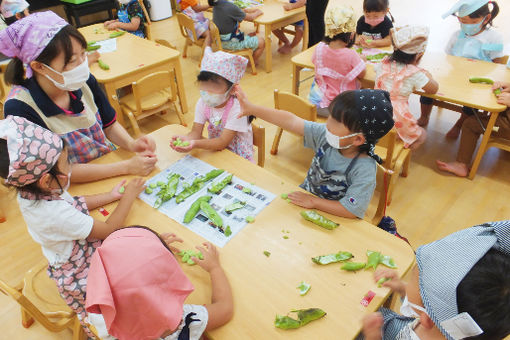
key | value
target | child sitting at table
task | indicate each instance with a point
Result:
(471, 131)
(475, 40)
(34, 161)
(458, 290)
(298, 27)
(194, 9)
(342, 175)
(228, 18)
(337, 66)
(136, 264)
(130, 18)
(13, 10)
(219, 108)
(373, 28)
(400, 75)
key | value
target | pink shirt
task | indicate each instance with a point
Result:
(328, 62)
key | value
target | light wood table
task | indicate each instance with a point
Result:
(452, 73)
(275, 17)
(266, 286)
(134, 58)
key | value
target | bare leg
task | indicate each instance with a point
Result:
(297, 37)
(455, 130)
(285, 48)
(417, 143)
(426, 109)
(258, 52)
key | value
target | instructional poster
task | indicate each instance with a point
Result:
(248, 199)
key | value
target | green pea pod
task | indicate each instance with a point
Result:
(332, 258)
(382, 280)
(497, 91)
(217, 187)
(308, 315)
(286, 322)
(314, 217)
(353, 266)
(188, 191)
(234, 206)
(91, 48)
(388, 261)
(212, 174)
(167, 190)
(194, 208)
(103, 65)
(374, 258)
(481, 80)
(228, 231)
(117, 34)
(378, 56)
(303, 288)
(211, 214)
(93, 42)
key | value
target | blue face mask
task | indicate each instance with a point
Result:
(471, 29)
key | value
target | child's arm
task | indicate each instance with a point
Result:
(432, 86)
(284, 119)
(310, 201)
(100, 229)
(200, 8)
(127, 26)
(362, 74)
(297, 4)
(214, 144)
(99, 200)
(252, 14)
(372, 325)
(379, 42)
(221, 308)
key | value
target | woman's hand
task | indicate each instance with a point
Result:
(246, 105)
(302, 199)
(141, 165)
(144, 144)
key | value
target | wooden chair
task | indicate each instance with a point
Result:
(187, 25)
(165, 43)
(496, 142)
(290, 102)
(383, 179)
(4, 89)
(259, 140)
(216, 42)
(148, 23)
(396, 158)
(504, 60)
(153, 93)
(39, 299)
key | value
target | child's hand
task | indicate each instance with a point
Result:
(288, 7)
(211, 257)
(505, 87)
(302, 199)
(395, 284)
(116, 194)
(372, 324)
(144, 143)
(504, 98)
(106, 23)
(93, 57)
(181, 148)
(134, 188)
(113, 26)
(246, 106)
(141, 164)
(170, 238)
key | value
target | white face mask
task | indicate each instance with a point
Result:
(214, 99)
(334, 140)
(409, 309)
(73, 79)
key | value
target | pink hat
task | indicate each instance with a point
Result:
(137, 284)
(9, 8)
(29, 36)
(229, 66)
(32, 150)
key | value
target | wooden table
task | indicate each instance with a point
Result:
(134, 58)
(266, 286)
(276, 17)
(452, 73)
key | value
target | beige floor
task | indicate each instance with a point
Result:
(426, 205)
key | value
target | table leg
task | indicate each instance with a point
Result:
(267, 33)
(296, 75)
(305, 34)
(111, 94)
(180, 85)
(483, 144)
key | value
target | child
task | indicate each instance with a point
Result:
(139, 287)
(459, 290)
(373, 28)
(471, 131)
(13, 10)
(194, 9)
(34, 160)
(218, 107)
(228, 17)
(298, 26)
(400, 76)
(55, 90)
(130, 18)
(343, 171)
(474, 40)
(337, 66)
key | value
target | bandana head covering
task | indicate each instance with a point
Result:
(9, 8)
(443, 264)
(464, 8)
(29, 36)
(339, 19)
(135, 282)
(410, 39)
(229, 66)
(32, 150)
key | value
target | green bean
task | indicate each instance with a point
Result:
(353, 266)
(103, 65)
(314, 217)
(117, 34)
(481, 80)
(194, 208)
(332, 258)
(211, 214)
(217, 187)
(91, 48)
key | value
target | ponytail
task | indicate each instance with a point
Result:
(484, 11)
(15, 72)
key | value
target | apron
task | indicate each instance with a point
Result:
(236, 34)
(123, 16)
(200, 21)
(83, 132)
(405, 123)
(238, 145)
(470, 47)
(331, 185)
(71, 276)
(319, 97)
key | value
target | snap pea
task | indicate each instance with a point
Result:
(286, 322)
(353, 266)
(481, 80)
(197, 184)
(234, 206)
(305, 316)
(212, 175)
(247, 190)
(168, 190)
(160, 183)
(388, 261)
(497, 91)
(217, 187)
(303, 288)
(91, 48)
(359, 50)
(332, 258)
(314, 217)
(93, 42)
(378, 56)
(194, 208)
(382, 280)
(117, 34)
(103, 65)
(211, 214)
(374, 258)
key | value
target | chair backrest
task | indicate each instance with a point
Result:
(186, 25)
(383, 180)
(151, 83)
(386, 147)
(259, 140)
(215, 37)
(147, 23)
(290, 102)
(165, 43)
(503, 60)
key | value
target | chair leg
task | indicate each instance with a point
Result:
(26, 319)
(276, 141)
(185, 51)
(405, 168)
(252, 63)
(180, 115)
(134, 123)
